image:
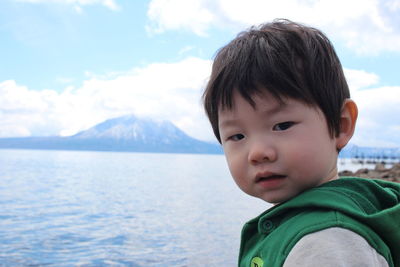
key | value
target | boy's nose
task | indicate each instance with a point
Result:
(261, 152)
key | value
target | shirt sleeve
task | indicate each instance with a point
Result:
(334, 247)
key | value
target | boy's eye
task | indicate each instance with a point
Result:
(283, 126)
(236, 137)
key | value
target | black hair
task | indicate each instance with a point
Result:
(286, 58)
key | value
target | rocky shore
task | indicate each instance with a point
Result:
(379, 172)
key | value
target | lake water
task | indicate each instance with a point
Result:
(69, 208)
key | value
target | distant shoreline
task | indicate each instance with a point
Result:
(379, 172)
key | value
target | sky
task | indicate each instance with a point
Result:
(67, 65)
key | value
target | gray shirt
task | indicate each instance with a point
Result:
(334, 247)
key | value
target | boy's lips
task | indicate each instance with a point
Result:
(268, 175)
(269, 179)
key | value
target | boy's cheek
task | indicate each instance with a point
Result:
(236, 168)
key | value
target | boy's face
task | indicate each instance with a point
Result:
(275, 151)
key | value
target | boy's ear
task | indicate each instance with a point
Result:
(348, 120)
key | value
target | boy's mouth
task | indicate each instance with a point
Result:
(268, 177)
(270, 181)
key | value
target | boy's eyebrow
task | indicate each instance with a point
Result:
(268, 111)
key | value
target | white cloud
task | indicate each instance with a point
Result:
(366, 26)
(176, 14)
(23, 112)
(378, 120)
(160, 90)
(186, 49)
(358, 79)
(169, 91)
(64, 80)
(77, 4)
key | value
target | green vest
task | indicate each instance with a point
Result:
(370, 208)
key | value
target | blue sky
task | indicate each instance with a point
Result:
(69, 64)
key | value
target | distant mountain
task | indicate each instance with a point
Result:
(126, 133)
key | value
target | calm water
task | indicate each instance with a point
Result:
(60, 208)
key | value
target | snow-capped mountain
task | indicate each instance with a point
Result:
(126, 133)
(131, 128)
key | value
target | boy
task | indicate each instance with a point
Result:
(279, 104)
